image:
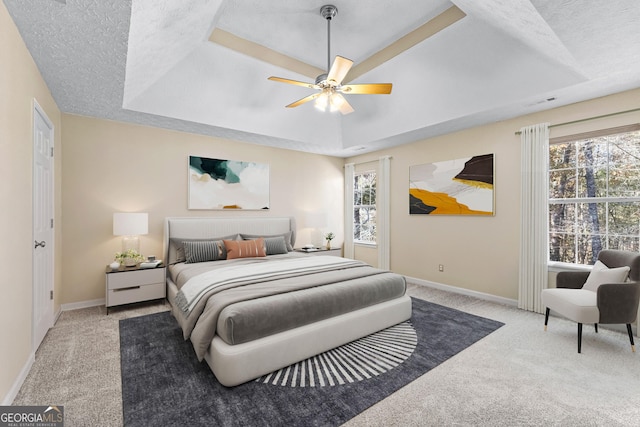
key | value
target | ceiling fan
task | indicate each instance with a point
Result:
(330, 85)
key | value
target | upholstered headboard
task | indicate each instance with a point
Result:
(203, 228)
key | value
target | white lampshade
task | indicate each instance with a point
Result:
(315, 221)
(130, 224)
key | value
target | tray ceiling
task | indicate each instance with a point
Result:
(202, 66)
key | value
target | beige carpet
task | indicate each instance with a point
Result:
(518, 375)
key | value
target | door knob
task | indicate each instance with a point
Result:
(41, 244)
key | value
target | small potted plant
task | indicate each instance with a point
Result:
(129, 258)
(329, 237)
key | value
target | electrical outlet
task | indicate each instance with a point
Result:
(441, 267)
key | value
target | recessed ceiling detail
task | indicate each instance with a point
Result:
(200, 66)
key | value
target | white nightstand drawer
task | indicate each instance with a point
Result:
(127, 279)
(135, 293)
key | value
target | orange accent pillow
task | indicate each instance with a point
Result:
(245, 248)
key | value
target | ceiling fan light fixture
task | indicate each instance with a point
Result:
(336, 101)
(331, 100)
(322, 101)
(330, 83)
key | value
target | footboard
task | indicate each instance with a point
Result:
(236, 364)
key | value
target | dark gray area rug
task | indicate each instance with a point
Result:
(164, 384)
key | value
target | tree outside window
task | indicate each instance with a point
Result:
(594, 196)
(364, 207)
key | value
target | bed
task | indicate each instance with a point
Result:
(250, 314)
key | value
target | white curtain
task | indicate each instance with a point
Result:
(534, 199)
(382, 212)
(349, 171)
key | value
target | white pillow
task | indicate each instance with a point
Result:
(601, 274)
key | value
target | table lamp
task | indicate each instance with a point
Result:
(315, 221)
(130, 226)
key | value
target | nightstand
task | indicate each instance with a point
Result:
(134, 284)
(322, 251)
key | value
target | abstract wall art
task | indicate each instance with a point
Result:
(454, 187)
(227, 184)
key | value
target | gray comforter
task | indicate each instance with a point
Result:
(257, 305)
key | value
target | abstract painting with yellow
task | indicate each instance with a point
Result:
(454, 187)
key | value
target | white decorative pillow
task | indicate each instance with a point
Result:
(601, 274)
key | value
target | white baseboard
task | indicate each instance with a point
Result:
(13, 391)
(468, 292)
(82, 304)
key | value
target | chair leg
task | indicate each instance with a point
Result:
(596, 325)
(579, 337)
(546, 318)
(630, 332)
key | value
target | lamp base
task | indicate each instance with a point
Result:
(130, 242)
(130, 262)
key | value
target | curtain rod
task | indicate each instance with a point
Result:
(589, 118)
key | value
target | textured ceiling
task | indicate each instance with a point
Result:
(202, 66)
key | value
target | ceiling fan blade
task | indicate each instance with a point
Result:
(294, 82)
(367, 89)
(339, 103)
(303, 100)
(339, 69)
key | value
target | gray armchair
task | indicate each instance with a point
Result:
(604, 303)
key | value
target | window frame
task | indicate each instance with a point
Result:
(369, 206)
(605, 232)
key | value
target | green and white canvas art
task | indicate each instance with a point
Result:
(227, 184)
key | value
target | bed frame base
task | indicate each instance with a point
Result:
(237, 364)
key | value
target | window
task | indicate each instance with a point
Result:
(364, 207)
(594, 194)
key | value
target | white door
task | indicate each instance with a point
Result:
(42, 225)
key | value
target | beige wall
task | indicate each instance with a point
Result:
(20, 83)
(479, 253)
(116, 167)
